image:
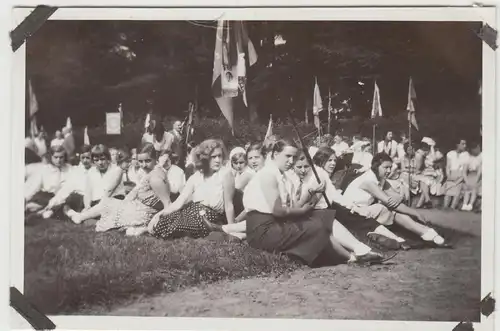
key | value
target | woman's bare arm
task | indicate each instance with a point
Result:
(228, 188)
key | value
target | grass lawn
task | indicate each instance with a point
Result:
(70, 269)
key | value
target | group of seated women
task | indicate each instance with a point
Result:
(267, 194)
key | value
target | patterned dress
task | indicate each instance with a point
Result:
(136, 210)
(207, 205)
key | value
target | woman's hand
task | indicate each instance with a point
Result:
(318, 187)
(421, 218)
(308, 206)
(393, 202)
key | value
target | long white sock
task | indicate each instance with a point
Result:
(70, 212)
(346, 239)
(382, 230)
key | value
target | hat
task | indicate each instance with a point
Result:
(236, 150)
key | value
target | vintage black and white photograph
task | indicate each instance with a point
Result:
(259, 168)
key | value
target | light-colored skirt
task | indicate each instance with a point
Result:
(454, 184)
(471, 182)
(121, 214)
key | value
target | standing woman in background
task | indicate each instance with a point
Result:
(473, 177)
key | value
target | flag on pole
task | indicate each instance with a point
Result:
(376, 105)
(233, 49)
(269, 131)
(33, 109)
(317, 104)
(121, 114)
(147, 122)
(412, 97)
(68, 123)
(86, 139)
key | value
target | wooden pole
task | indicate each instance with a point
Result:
(329, 109)
(409, 167)
(374, 139)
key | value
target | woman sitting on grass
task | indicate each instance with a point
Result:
(71, 196)
(369, 187)
(304, 182)
(242, 175)
(175, 175)
(104, 179)
(256, 156)
(47, 181)
(274, 225)
(207, 196)
(139, 206)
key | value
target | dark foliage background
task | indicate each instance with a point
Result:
(84, 69)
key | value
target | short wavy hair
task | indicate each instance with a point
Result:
(57, 149)
(377, 161)
(100, 150)
(323, 155)
(203, 152)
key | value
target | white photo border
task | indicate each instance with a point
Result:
(489, 122)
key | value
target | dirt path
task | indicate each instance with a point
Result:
(420, 285)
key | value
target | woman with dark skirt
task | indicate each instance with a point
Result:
(274, 225)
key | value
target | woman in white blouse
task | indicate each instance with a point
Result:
(71, 194)
(47, 181)
(368, 188)
(205, 201)
(104, 179)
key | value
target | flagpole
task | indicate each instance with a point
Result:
(307, 155)
(329, 109)
(374, 140)
(409, 158)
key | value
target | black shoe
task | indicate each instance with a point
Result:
(383, 241)
(372, 258)
(404, 246)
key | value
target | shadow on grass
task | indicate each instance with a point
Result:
(71, 268)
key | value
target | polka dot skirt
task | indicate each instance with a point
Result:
(186, 222)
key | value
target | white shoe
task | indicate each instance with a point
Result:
(47, 214)
(464, 208)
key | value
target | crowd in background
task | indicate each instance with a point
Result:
(266, 193)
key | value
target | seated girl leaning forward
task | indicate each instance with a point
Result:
(306, 190)
(208, 194)
(139, 206)
(367, 188)
(70, 197)
(42, 186)
(275, 226)
(345, 212)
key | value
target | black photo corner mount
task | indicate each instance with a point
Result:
(488, 35)
(37, 319)
(18, 36)
(488, 305)
(30, 25)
